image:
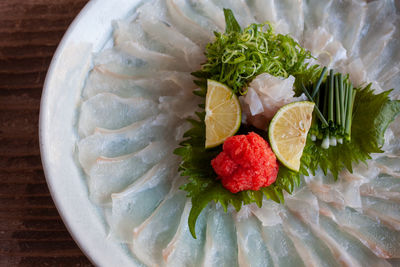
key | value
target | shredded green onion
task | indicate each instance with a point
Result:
(235, 57)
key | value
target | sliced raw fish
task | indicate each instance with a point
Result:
(221, 244)
(131, 31)
(383, 186)
(208, 9)
(378, 238)
(310, 247)
(350, 251)
(178, 45)
(115, 143)
(165, 83)
(377, 31)
(146, 88)
(152, 58)
(194, 26)
(154, 234)
(263, 10)
(184, 250)
(345, 21)
(282, 250)
(252, 250)
(112, 112)
(292, 12)
(269, 213)
(383, 211)
(117, 61)
(315, 14)
(344, 192)
(182, 106)
(305, 203)
(112, 175)
(138, 201)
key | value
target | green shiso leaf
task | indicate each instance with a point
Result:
(372, 115)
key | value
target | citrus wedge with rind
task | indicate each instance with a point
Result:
(288, 132)
(223, 113)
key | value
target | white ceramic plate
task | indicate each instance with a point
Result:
(89, 33)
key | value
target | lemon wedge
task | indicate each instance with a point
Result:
(288, 132)
(223, 113)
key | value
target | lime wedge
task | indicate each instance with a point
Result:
(223, 114)
(288, 132)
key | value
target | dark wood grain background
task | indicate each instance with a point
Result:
(31, 230)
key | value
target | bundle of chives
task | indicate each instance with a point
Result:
(334, 101)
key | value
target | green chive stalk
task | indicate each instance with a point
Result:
(318, 84)
(330, 104)
(341, 96)
(348, 111)
(337, 101)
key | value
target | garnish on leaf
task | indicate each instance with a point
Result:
(371, 116)
(204, 186)
(334, 100)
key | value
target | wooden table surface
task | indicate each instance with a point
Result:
(31, 230)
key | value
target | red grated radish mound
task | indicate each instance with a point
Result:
(246, 163)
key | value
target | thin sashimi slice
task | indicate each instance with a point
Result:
(269, 213)
(383, 186)
(165, 83)
(115, 143)
(292, 12)
(315, 14)
(344, 192)
(171, 38)
(182, 106)
(154, 59)
(112, 112)
(345, 21)
(200, 33)
(221, 243)
(252, 250)
(263, 10)
(379, 30)
(211, 11)
(350, 250)
(131, 31)
(374, 41)
(154, 234)
(184, 250)
(384, 211)
(111, 175)
(305, 203)
(137, 202)
(119, 62)
(378, 238)
(311, 249)
(282, 250)
(389, 165)
(323, 46)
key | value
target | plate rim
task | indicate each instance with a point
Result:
(83, 243)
